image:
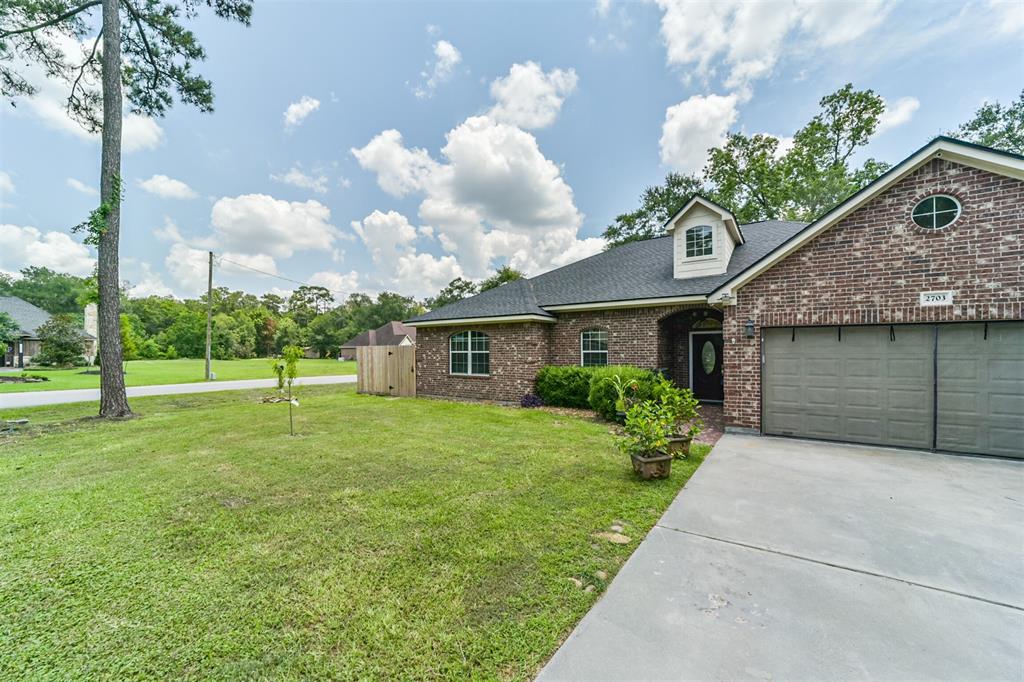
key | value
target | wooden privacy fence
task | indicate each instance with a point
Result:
(386, 370)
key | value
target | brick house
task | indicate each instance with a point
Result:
(895, 318)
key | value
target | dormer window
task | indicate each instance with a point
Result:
(700, 241)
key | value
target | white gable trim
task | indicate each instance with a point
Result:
(944, 148)
(727, 217)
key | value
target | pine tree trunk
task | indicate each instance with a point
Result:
(113, 399)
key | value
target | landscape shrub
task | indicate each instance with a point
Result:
(602, 396)
(564, 385)
(62, 342)
(530, 400)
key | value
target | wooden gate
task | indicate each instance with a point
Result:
(386, 370)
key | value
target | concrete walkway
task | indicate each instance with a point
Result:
(83, 395)
(785, 559)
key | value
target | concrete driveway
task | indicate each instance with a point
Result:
(786, 559)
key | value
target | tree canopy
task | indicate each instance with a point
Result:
(54, 292)
(8, 329)
(460, 288)
(995, 125)
(757, 178)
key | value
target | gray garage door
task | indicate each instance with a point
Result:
(878, 385)
(981, 388)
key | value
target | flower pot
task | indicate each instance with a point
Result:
(620, 417)
(679, 446)
(656, 465)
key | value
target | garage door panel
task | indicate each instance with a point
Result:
(905, 399)
(1006, 405)
(864, 387)
(981, 388)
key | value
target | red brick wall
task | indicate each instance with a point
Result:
(518, 351)
(872, 265)
(633, 335)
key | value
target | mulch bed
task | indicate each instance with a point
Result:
(22, 380)
(711, 415)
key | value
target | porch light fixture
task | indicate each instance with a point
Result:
(748, 329)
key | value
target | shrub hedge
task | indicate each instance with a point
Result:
(602, 395)
(564, 385)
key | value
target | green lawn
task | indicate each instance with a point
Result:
(152, 372)
(389, 539)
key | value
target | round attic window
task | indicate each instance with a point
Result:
(936, 211)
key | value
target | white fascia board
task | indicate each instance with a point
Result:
(944, 149)
(482, 320)
(629, 303)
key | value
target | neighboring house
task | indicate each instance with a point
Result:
(30, 318)
(390, 334)
(894, 319)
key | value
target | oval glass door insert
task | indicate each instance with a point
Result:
(707, 357)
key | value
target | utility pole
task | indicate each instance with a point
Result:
(209, 314)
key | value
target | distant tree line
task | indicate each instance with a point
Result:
(244, 325)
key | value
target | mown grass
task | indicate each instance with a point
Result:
(389, 539)
(154, 372)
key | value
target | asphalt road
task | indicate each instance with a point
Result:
(83, 395)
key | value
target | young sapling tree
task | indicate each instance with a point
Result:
(286, 368)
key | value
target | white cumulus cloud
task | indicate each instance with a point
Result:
(167, 188)
(399, 170)
(188, 267)
(297, 112)
(692, 127)
(897, 113)
(22, 247)
(446, 58)
(385, 235)
(337, 282)
(258, 223)
(296, 177)
(747, 39)
(496, 197)
(79, 186)
(530, 98)
(149, 284)
(6, 184)
(247, 263)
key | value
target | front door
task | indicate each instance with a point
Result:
(706, 366)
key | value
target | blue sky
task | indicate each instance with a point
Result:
(394, 146)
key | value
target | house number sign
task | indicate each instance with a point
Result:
(929, 298)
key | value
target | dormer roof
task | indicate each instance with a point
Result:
(726, 215)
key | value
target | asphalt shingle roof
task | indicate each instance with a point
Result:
(635, 270)
(388, 334)
(29, 317)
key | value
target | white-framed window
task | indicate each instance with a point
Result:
(700, 241)
(938, 210)
(594, 348)
(469, 353)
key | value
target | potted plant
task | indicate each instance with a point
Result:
(648, 425)
(621, 386)
(683, 408)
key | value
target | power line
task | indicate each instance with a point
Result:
(222, 259)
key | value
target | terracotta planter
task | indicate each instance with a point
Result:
(657, 465)
(679, 446)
